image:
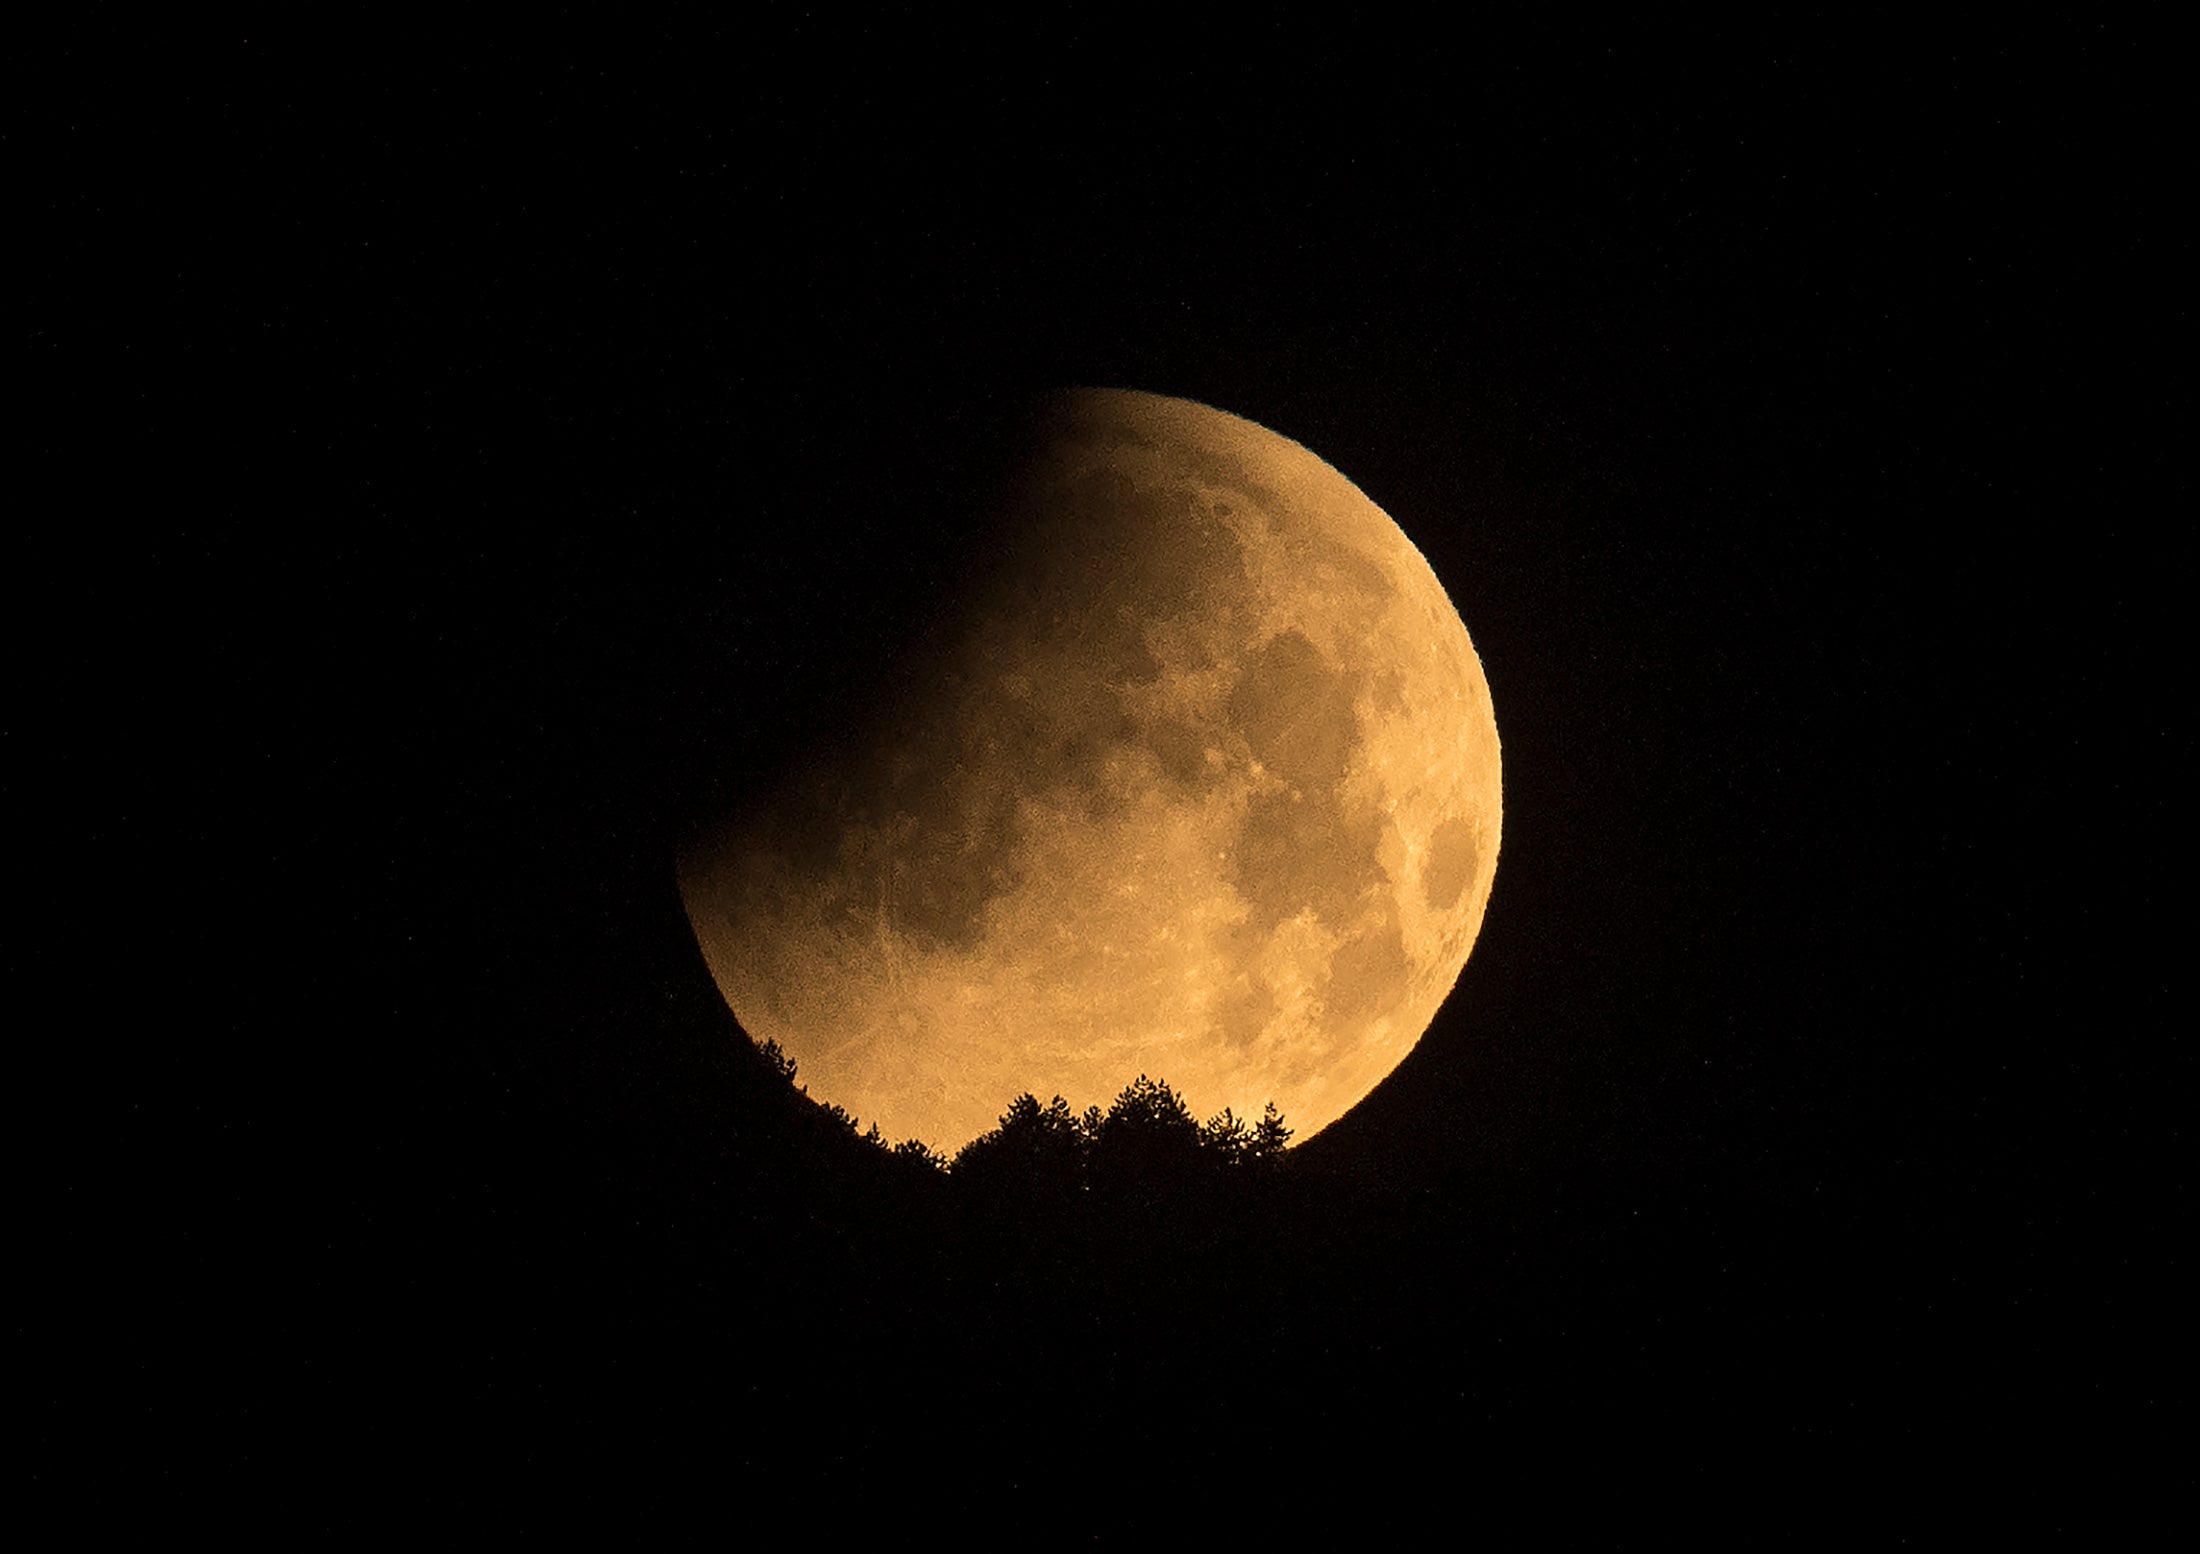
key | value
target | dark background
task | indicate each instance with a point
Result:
(456, 460)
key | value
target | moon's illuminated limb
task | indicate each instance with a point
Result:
(1203, 785)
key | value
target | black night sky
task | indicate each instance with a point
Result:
(458, 461)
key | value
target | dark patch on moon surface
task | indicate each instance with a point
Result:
(1452, 857)
(1369, 973)
(1182, 751)
(1297, 712)
(950, 857)
(1096, 559)
(1388, 691)
(1299, 852)
(1244, 1012)
(1301, 847)
(1106, 556)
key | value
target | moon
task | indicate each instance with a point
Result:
(1201, 781)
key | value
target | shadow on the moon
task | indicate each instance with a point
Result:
(1144, 774)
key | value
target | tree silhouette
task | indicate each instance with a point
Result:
(921, 1153)
(1037, 1149)
(775, 1058)
(1227, 1137)
(1148, 1139)
(1147, 1142)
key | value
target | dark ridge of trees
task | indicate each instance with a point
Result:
(826, 1127)
(1147, 1140)
(1037, 1149)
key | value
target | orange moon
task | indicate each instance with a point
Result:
(1201, 782)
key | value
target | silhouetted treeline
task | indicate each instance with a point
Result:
(1147, 1137)
(1147, 1134)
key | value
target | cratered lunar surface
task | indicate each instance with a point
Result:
(1200, 782)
